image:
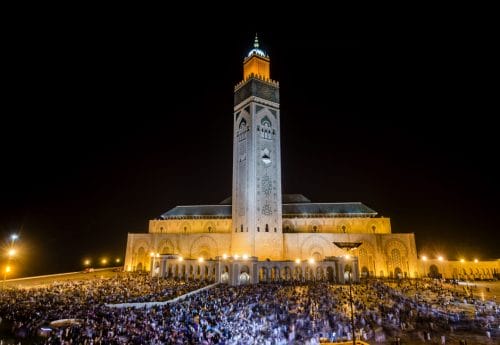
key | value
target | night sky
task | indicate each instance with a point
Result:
(103, 131)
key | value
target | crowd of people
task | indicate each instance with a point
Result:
(274, 313)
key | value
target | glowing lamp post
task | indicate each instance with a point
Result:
(350, 246)
(10, 253)
(424, 259)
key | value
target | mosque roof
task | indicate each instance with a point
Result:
(290, 209)
(332, 209)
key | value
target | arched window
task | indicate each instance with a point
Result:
(267, 228)
(315, 228)
(266, 129)
(241, 228)
(258, 229)
(243, 124)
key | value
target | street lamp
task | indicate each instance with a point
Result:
(441, 267)
(7, 270)
(424, 259)
(350, 246)
(10, 253)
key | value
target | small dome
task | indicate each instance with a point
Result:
(256, 49)
(257, 52)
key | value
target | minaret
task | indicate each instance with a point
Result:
(257, 161)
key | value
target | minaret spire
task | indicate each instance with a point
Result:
(256, 64)
(256, 41)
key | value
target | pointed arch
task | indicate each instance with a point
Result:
(204, 246)
(315, 245)
(266, 122)
(394, 243)
(242, 124)
(166, 247)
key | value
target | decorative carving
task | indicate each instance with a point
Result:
(267, 210)
(204, 246)
(315, 242)
(267, 185)
(395, 244)
(266, 156)
(166, 247)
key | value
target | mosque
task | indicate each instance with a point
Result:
(259, 234)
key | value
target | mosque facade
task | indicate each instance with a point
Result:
(260, 234)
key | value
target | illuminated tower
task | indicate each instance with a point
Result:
(256, 210)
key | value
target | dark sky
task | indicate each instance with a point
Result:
(106, 130)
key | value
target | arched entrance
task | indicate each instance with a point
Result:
(434, 272)
(364, 272)
(286, 273)
(244, 278)
(330, 274)
(319, 273)
(317, 256)
(224, 277)
(297, 273)
(244, 275)
(275, 274)
(398, 274)
(263, 274)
